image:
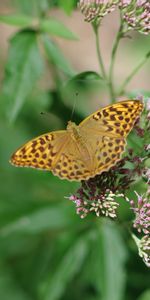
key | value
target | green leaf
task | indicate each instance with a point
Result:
(9, 287)
(57, 28)
(41, 219)
(24, 67)
(69, 266)
(145, 295)
(32, 7)
(85, 78)
(16, 20)
(56, 57)
(81, 89)
(106, 262)
(112, 260)
(67, 5)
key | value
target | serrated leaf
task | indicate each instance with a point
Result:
(24, 67)
(57, 28)
(69, 266)
(56, 57)
(16, 20)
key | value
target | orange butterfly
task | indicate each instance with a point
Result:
(85, 150)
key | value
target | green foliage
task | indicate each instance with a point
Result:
(70, 265)
(56, 57)
(46, 251)
(24, 67)
(9, 287)
(67, 5)
(107, 253)
(16, 20)
(33, 7)
(145, 296)
(57, 28)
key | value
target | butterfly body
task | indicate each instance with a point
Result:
(85, 150)
(74, 131)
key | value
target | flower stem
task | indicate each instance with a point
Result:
(99, 55)
(112, 63)
(131, 75)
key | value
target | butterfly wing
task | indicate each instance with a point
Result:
(55, 151)
(114, 120)
(105, 131)
(106, 151)
(41, 152)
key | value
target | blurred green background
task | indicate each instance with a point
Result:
(46, 251)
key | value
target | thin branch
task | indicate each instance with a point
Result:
(112, 63)
(134, 71)
(99, 55)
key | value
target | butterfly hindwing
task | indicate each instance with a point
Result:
(74, 163)
(107, 151)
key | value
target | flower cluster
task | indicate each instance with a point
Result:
(89, 198)
(136, 14)
(99, 194)
(95, 10)
(142, 213)
(143, 248)
(142, 207)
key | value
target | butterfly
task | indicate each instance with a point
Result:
(85, 150)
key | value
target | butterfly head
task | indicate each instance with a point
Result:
(71, 126)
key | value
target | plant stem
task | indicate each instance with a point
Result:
(101, 65)
(137, 68)
(112, 63)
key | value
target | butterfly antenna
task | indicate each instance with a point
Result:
(74, 105)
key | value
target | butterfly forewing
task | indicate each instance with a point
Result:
(107, 129)
(114, 120)
(56, 152)
(41, 152)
